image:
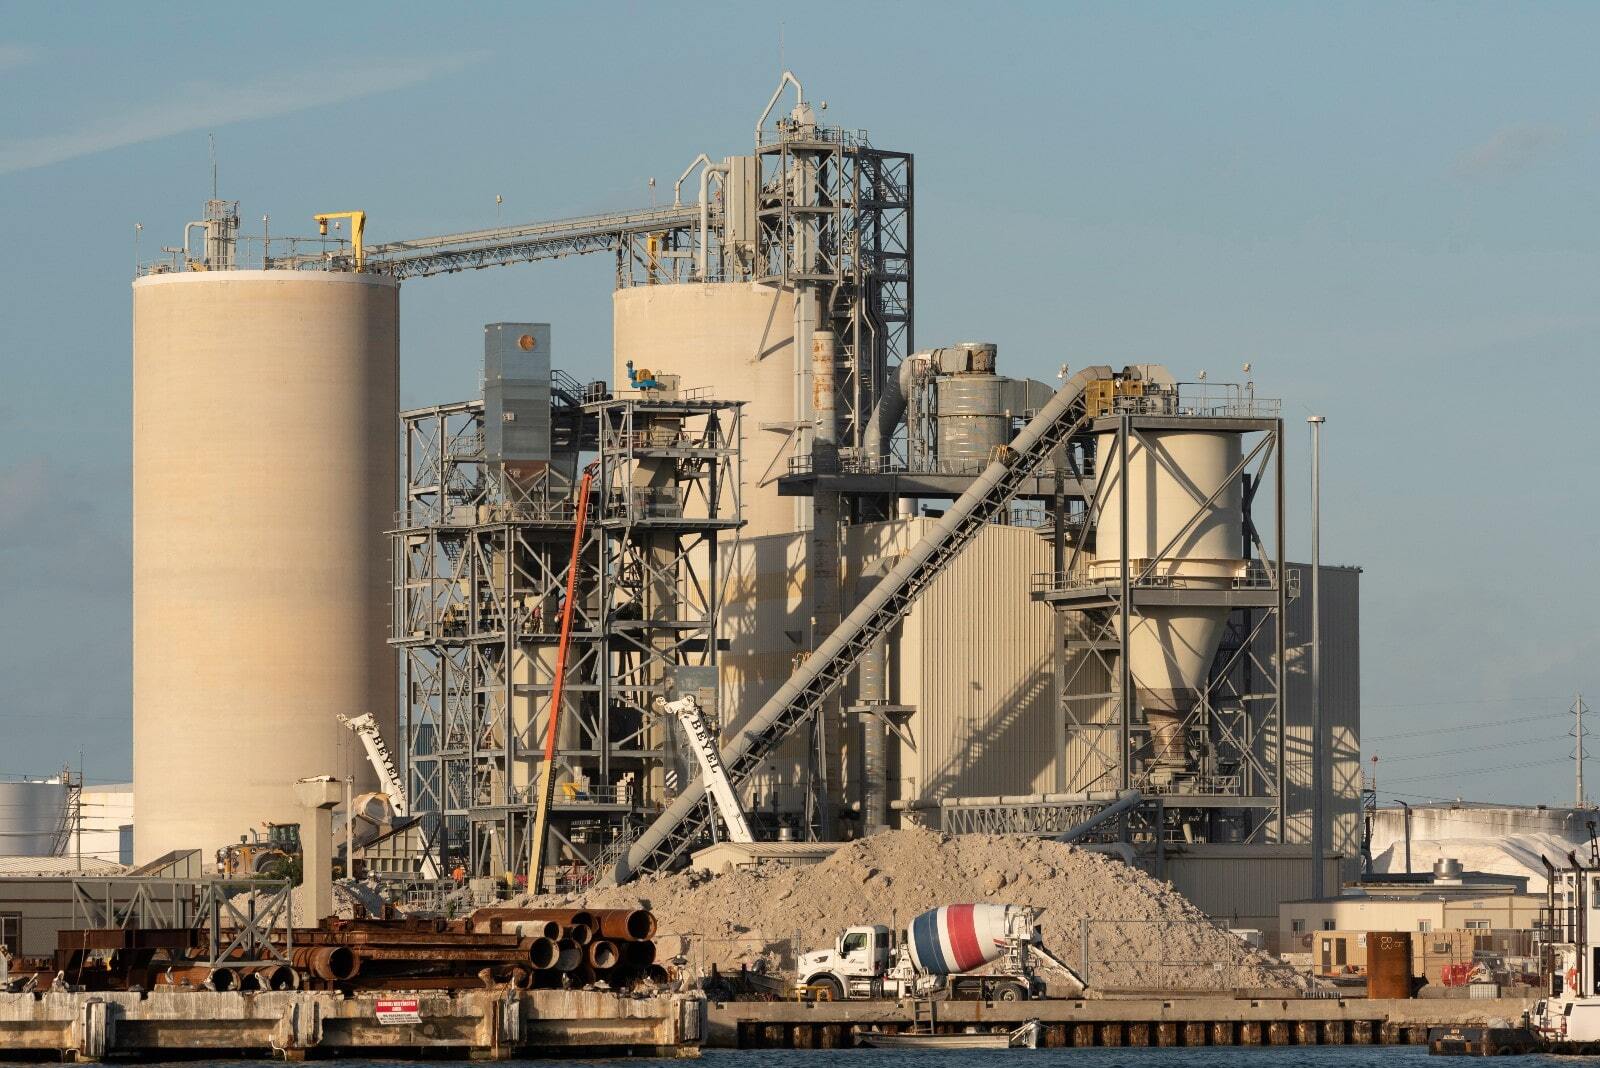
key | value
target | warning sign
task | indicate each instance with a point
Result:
(398, 1011)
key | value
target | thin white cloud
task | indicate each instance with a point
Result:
(14, 55)
(1509, 150)
(199, 106)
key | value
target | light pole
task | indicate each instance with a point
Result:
(1318, 834)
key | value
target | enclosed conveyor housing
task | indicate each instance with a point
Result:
(687, 819)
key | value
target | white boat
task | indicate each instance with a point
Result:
(1567, 1020)
(1024, 1037)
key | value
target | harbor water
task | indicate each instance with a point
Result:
(1208, 1057)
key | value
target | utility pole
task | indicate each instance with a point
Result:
(1318, 753)
(1577, 732)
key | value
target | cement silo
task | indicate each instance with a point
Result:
(1184, 531)
(735, 339)
(32, 815)
(265, 472)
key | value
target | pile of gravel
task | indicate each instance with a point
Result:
(1144, 934)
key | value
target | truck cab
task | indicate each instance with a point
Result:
(853, 967)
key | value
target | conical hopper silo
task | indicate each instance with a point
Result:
(1171, 474)
(265, 472)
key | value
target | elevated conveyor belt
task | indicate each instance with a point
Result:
(426, 256)
(447, 253)
(686, 820)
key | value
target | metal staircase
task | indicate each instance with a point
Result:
(688, 819)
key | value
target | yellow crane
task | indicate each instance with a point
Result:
(358, 226)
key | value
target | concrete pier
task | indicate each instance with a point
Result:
(482, 1025)
(1201, 1021)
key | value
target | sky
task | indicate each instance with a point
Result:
(1389, 210)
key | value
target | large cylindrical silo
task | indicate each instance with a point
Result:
(737, 340)
(1171, 473)
(31, 815)
(265, 472)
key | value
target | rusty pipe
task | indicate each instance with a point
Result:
(580, 933)
(543, 953)
(602, 954)
(529, 928)
(638, 954)
(333, 963)
(569, 955)
(625, 925)
(565, 917)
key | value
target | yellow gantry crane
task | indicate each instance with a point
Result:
(358, 226)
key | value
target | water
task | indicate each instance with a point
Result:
(1201, 1057)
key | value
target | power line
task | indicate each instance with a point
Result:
(1464, 749)
(1454, 772)
(1427, 731)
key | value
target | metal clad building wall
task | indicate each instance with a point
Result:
(973, 657)
(1242, 885)
(1341, 708)
(265, 471)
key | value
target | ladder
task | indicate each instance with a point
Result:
(688, 818)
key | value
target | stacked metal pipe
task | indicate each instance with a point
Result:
(524, 948)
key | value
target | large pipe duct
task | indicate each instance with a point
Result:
(1127, 801)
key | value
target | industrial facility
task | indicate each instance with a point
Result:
(901, 586)
(784, 589)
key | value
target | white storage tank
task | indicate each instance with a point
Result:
(1171, 648)
(737, 340)
(265, 472)
(31, 814)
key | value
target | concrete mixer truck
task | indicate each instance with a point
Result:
(938, 954)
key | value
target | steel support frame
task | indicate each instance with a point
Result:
(670, 477)
(235, 935)
(676, 831)
(1242, 684)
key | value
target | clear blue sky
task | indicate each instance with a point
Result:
(1390, 210)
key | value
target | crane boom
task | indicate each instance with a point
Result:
(366, 728)
(825, 670)
(712, 771)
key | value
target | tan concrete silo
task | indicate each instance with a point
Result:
(737, 340)
(265, 471)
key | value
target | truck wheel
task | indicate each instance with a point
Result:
(1010, 992)
(826, 988)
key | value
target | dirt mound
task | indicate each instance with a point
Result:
(1142, 934)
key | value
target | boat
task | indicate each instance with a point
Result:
(1024, 1037)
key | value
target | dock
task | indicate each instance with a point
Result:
(295, 1026)
(1200, 1021)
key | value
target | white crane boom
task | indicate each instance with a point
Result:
(366, 728)
(704, 741)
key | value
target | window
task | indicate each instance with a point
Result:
(1329, 925)
(1297, 926)
(1477, 925)
(1424, 926)
(11, 932)
(853, 941)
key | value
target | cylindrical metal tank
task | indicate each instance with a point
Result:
(31, 814)
(1389, 964)
(959, 938)
(1171, 473)
(265, 472)
(737, 339)
(971, 422)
